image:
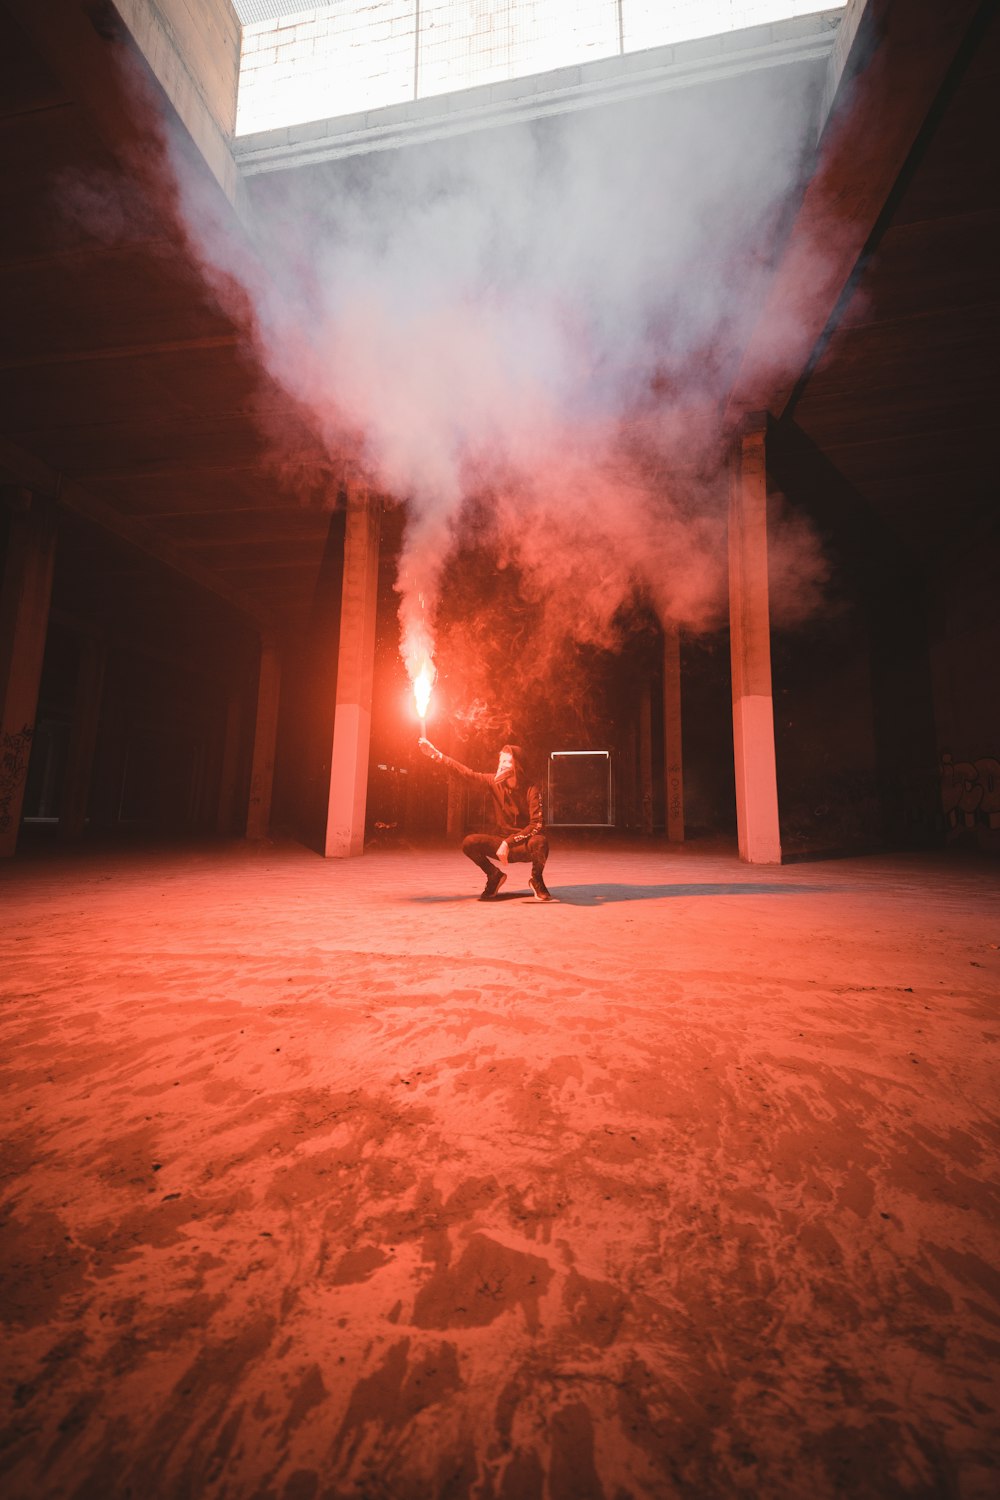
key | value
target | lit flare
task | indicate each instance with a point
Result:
(422, 684)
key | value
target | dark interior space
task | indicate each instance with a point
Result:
(149, 416)
(641, 414)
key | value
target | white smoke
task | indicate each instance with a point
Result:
(549, 313)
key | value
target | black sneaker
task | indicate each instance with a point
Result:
(494, 881)
(539, 887)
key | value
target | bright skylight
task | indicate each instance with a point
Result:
(301, 63)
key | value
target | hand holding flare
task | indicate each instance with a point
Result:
(433, 753)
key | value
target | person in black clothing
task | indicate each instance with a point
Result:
(518, 809)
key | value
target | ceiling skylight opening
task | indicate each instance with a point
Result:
(302, 63)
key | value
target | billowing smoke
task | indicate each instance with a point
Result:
(543, 318)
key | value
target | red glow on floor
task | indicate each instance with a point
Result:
(323, 1178)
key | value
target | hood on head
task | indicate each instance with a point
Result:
(517, 755)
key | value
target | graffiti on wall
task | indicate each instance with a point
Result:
(14, 754)
(970, 791)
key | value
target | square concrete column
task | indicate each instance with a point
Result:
(226, 809)
(25, 595)
(672, 755)
(646, 759)
(264, 739)
(345, 824)
(456, 808)
(750, 646)
(83, 737)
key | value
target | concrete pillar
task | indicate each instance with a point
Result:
(25, 594)
(646, 759)
(632, 801)
(673, 790)
(456, 808)
(750, 646)
(264, 740)
(83, 737)
(225, 811)
(345, 824)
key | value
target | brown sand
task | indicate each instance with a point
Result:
(323, 1179)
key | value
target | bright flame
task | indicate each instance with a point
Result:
(422, 684)
(417, 643)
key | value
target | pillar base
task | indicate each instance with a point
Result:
(756, 783)
(345, 827)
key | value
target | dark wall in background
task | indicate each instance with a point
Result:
(887, 710)
(964, 634)
(707, 734)
(308, 700)
(170, 657)
(854, 729)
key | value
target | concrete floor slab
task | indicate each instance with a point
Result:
(323, 1179)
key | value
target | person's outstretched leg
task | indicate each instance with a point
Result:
(478, 847)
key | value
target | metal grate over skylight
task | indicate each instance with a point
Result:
(249, 12)
(305, 63)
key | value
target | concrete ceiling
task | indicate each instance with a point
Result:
(127, 388)
(902, 396)
(130, 390)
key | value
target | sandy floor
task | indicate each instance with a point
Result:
(321, 1179)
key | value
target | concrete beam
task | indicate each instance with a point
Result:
(844, 48)
(900, 56)
(655, 70)
(121, 351)
(186, 468)
(193, 47)
(193, 50)
(190, 46)
(25, 469)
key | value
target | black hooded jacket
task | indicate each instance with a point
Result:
(518, 808)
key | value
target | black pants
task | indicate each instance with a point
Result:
(482, 847)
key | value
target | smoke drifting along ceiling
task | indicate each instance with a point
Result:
(547, 316)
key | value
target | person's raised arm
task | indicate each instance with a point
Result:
(453, 767)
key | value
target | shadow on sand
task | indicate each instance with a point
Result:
(607, 893)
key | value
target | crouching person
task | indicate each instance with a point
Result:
(519, 812)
